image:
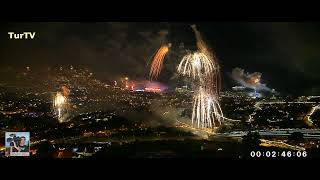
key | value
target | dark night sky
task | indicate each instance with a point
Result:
(287, 54)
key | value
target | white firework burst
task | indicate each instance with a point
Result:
(196, 65)
(206, 111)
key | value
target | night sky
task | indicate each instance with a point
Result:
(287, 54)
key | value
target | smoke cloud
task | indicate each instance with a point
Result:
(249, 80)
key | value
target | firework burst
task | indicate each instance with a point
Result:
(206, 111)
(196, 65)
(59, 102)
(157, 61)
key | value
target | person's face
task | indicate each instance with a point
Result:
(23, 140)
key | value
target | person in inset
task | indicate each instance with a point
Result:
(21, 146)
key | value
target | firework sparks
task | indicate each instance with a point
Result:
(157, 61)
(206, 110)
(59, 102)
(196, 65)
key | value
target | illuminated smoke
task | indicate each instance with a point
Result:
(65, 91)
(249, 80)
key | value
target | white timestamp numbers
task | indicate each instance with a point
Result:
(274, 154)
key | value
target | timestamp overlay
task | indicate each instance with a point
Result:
(278, 154)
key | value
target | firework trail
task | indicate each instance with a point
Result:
(157, 61)
(206, 110)
(200, 43)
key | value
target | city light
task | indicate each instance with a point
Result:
(151, 89)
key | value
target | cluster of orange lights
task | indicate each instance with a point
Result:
(127, 84)
(132, 86)
(129, 87)
(149, 89)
